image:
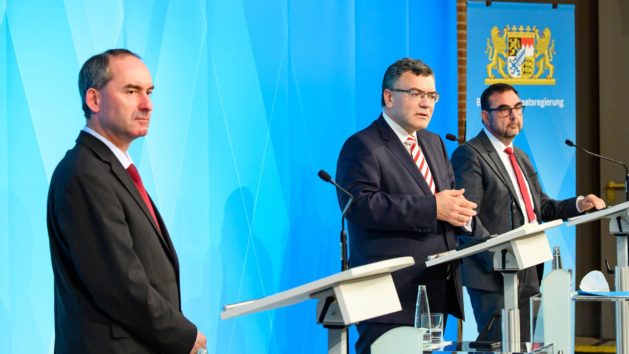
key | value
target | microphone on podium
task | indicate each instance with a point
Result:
(327, 178)
(570, 143)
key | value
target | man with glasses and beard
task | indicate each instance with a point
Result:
(505, 202)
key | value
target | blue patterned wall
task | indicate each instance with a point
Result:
(251, 99)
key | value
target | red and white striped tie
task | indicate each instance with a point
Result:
(420, 161)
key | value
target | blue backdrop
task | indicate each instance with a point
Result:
(251, 99)
(550, 114)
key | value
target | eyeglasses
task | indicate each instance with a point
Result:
(418, 95)
(504, 111)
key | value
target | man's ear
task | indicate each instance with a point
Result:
(387, 95)
(484, 115)
(92, 99)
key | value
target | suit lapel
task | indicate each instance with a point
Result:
(165, 237)
(105, 154)
(492, 156)
(401, 154)
(127, 182)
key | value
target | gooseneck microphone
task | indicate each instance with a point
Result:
(327, 178)
(570, 143)
(344, 263)
(452, 137)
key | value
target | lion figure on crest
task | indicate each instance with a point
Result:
(544, 48)
(496, 53)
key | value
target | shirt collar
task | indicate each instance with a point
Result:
(123, 157)
(399, 131)
(498, 145)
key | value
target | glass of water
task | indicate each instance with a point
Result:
(436, 327)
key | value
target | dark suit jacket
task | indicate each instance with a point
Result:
(394, 213)
(116, 274)
(483, 187)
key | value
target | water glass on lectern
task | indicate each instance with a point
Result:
(436, 327)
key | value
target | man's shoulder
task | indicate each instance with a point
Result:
(366, 136)
(81, 160)
(467, 154)
(479, 139)
(519, 151)
(465, 148)
(374, 128)
(462, 149)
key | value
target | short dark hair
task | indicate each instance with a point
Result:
(395, 70)
(500, 88)
(95, 73)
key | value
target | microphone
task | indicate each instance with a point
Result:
(571, 144)
(327, 178)
(343, 244)
(453, 137)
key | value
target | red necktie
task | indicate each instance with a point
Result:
(420, 161)
(135, 176)
(523, 190)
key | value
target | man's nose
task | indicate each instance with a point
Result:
(424, 101)
(145, 103)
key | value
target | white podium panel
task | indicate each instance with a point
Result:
(355, 306)
(351, 296)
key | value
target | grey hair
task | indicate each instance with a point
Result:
(95, 73)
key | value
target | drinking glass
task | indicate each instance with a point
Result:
(436, 327)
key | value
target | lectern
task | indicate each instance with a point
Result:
(618, 226)
(518, 249)
(345, 298)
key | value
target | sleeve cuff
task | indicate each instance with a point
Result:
(579, 198)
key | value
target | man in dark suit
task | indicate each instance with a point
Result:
(405, 204)
(505, 202)
(116, 272)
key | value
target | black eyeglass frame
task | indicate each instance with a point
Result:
(506, 111)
